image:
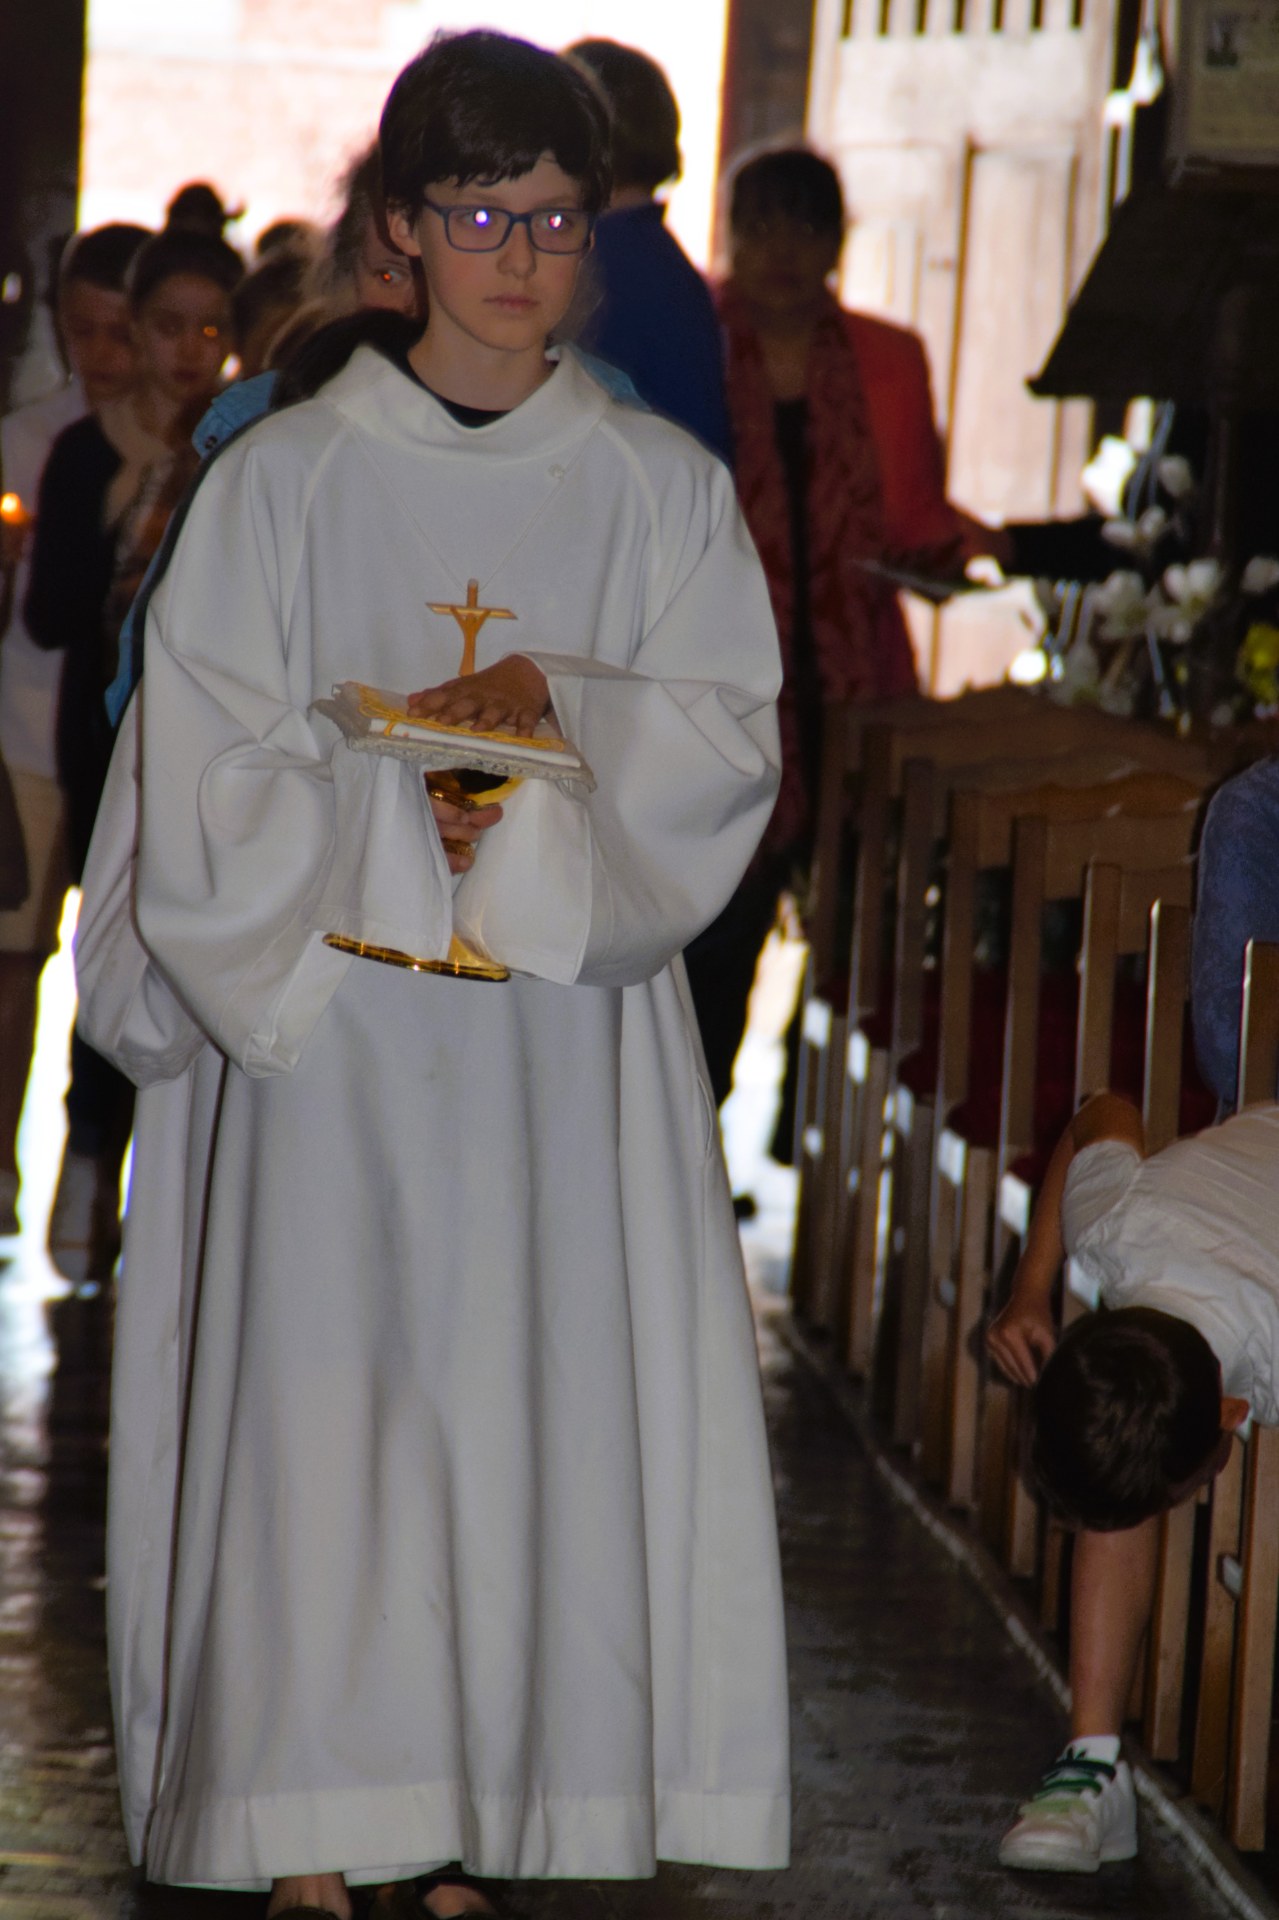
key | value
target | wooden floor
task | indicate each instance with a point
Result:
(917, 1724)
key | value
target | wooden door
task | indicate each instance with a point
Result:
(1006, 449)
(969, 137)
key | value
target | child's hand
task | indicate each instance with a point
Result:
(460, 829)
(1021, 1338)
(510, 697)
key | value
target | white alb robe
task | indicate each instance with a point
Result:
(441, 1522)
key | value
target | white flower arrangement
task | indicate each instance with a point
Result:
(1163, 633)
(1176, 476)
(1187, 594)
(1259, 576)
(1139, 537)
(1119, 605)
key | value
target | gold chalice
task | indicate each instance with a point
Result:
(468, 788)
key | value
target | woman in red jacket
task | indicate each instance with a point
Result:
(838, 463)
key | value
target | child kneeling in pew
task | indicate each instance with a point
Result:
(1134, 1407)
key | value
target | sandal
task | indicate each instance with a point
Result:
(406, 1899)
(362, 1899)
(304, 1913)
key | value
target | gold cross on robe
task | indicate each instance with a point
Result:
(471, 618)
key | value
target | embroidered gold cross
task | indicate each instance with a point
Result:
(471, 618)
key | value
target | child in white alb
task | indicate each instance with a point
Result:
(442, 1541)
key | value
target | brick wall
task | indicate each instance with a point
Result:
(270, 98)
(270, 115)
(315, 23)
(271, 137)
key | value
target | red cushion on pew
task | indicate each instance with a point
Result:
(1029, 1167)
(1197, 1106)
(834, 991)
(918, 1071)
(976, 1119)
(1128, 1040)
(877, 1028)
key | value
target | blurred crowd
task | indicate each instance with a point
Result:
(153, 327)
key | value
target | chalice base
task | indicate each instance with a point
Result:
(464, 962)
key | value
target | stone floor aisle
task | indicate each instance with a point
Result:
(916, 1723)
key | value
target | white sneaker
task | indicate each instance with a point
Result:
(84, 1228)
(1083, 1816)
(9, 1222)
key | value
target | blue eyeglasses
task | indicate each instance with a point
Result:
(487, 229)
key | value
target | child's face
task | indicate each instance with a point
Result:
(182, 333)
(509, 300)
(383, 277)
(94, 324)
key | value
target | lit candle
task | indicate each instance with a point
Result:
(12, 511)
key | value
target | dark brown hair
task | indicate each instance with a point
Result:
(483, 106)
(102, 256)
(361, 187)
(182, 250)
(1125, 1413)
(199, 208)
(643, 114)
(793, 182)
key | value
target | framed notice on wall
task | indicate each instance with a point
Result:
(1226, 95)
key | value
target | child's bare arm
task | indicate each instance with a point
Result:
(1021, 1338)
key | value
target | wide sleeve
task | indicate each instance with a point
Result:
(259, 832)
(127, 1011)
(683, 744)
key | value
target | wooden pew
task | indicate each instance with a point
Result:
(919, 1244)
(1154, 827)
(909, 1072)
(824, 1000)
(852, 830)
(1050, 835)
(983, 827)
(1124, 912)
(1233, 1718)
(907, 767)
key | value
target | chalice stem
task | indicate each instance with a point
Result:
(464, 787)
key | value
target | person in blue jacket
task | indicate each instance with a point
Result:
(1238, 902)
(654, 316)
